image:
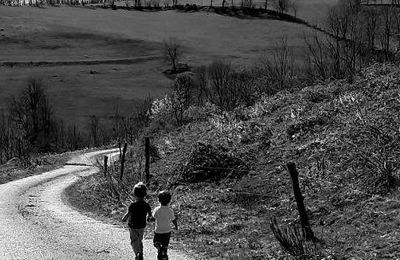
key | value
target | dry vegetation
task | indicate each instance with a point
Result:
(222, 136)
(343, 138)
(342, 134)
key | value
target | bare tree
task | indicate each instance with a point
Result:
(181, 96)
(219, 74)
(94, 129)
(173, 51)
(370, 18)
(282, 5)
(280, 64)
(386, 29)
(397, 26)
(294, 6)
(32, 116)
(318, 59)
(201, 83)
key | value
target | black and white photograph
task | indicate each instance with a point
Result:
(200, 129)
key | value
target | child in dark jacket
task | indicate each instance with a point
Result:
(136, 216)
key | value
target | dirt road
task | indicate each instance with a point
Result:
(36, 224)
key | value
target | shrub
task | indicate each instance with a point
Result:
(277, 68)
(219, 75)
(182, 96)
(293, 241)
(201, 91)
(161, 114)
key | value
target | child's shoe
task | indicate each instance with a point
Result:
(139, 256)
(162, 253)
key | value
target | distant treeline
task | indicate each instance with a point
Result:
(29, 126)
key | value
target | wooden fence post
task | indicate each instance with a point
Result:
(120, 150)
(123, 160)
(147, 156)
(305, 224)
(105, 165)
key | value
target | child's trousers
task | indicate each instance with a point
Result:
(137, 240)
(161, 242)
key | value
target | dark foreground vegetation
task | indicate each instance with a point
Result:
(222, 137)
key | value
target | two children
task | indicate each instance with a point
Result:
(162, 215)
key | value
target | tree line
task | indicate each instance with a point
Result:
(279, 5)
(358, 35)
(30, 126)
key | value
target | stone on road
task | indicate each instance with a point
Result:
(36, 224)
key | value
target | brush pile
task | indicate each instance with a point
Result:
(209, 163)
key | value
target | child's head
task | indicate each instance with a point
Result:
(140, 190)
(164, 197)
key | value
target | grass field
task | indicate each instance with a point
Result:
(83, 34)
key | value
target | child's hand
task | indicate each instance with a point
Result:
(125, 217)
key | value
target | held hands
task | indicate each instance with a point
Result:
(125, 217)
(175, 222)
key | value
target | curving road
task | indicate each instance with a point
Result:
(36, 224)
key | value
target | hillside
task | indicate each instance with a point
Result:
(344, 139)
(83, 88)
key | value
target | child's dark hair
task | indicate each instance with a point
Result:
(164, 197)
(140, 190)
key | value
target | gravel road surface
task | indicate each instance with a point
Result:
(36, 224)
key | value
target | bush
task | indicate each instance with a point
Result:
(219, 76)
(161, 114)
(293, 241)
(182, 96)
(277, 68)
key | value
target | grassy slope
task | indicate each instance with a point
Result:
(230, 219)
(51, 34)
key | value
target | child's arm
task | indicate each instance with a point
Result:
(150, 217)
(126, 216)
(174, 218)
(175, 222)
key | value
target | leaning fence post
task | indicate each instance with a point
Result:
(105, 166)
(147, 156)
(305, 224)
(123, 160)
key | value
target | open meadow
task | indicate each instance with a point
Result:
(96, 40)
